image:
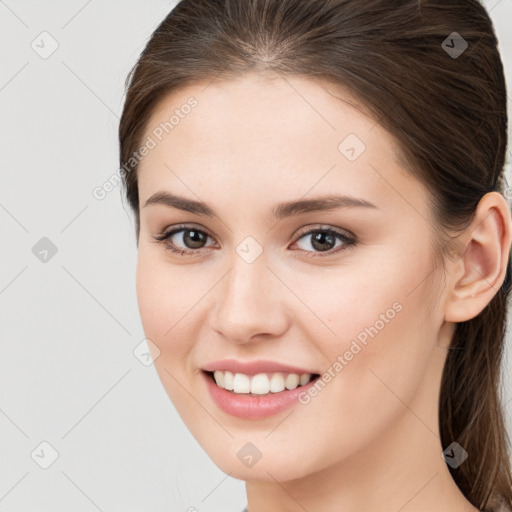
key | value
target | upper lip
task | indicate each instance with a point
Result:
(254, 367)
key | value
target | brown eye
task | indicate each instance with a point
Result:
(323, 240)
(193, 238)
(183, 239)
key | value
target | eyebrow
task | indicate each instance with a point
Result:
(278, 212)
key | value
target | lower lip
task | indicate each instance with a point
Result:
(254, 407)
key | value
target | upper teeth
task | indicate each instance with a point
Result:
(261, 383)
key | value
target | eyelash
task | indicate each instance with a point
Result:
(349, 242)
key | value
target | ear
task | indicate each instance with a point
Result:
(479, 271)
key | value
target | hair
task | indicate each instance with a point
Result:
(447, 112)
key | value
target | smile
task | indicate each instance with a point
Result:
(242, 402)
(260, 384)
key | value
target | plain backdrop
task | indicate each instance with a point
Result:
(73, 395)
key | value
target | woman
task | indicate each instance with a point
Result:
(323, 246)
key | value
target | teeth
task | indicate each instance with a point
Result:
(292, 381)
(304, 379)
(260, 384)
(228, 380)
(277, 383)
(241, 383)
(219, 378)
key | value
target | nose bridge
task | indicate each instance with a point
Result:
(248, 300)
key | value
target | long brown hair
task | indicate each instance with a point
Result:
(445, 103)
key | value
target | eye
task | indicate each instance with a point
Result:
(323, 240)
(191, 237)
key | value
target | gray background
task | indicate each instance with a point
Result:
(69, 325)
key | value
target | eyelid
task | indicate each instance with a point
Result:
(348, 239)
(324, 227)
(166, 232)
(302, 231)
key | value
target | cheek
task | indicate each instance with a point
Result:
(165, 303)
(379, 317)
(380, 354)
(165, 300)
(385, 337)
(165, 291)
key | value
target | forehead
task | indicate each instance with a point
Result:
(261, 133)
(267, 107)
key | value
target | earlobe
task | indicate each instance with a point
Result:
(482, 267)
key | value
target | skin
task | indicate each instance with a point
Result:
(370, 439)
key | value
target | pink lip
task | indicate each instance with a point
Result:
(253, 407)
(253, 367)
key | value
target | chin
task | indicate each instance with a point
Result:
(275, 462)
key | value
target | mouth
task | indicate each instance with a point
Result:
(261, 384)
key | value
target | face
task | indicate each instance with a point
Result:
(343, 291)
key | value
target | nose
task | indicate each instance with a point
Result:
(250, 303)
